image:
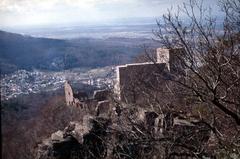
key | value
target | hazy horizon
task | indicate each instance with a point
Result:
(19, 14)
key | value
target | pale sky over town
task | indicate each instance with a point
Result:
(15, 13)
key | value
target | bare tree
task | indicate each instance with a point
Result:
(212, 56)
(211, 62)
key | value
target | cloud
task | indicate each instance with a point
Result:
(36, 12)
(30, 5)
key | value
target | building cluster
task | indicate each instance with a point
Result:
(26, 82)
(36, 81)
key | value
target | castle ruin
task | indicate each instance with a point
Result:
(133, 82)
(136, 79)
(98, 103)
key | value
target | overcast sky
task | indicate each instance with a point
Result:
(15, 13)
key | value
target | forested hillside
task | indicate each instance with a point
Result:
(25, 52)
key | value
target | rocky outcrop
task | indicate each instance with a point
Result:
(133, 133)
(77, 140)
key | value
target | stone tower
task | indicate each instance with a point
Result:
(173, 59)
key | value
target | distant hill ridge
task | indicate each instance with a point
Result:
(26, 52)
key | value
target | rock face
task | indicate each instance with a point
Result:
(57, 136)
(76, 141)
(132, 134)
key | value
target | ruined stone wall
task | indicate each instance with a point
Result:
(138, 79)
(71, 100)
(98, 104)
(135, 80)
(68, 94)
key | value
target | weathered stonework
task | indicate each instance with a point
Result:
(68, 94)
(172, 58)
(97, 104)
(133, 80)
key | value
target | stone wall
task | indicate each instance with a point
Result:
(98, 104)
(172, 57)
(68, 94)
(138, 79)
